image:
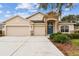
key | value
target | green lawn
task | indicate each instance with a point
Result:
(75, 49)
(75, 42)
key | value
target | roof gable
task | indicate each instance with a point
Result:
(15, 20)
(36, 17)
(12, 18)
(35, 14)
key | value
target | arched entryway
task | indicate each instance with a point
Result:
(50, 27)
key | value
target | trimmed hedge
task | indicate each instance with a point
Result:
(60, 38)
(73, 35)
(53, 34)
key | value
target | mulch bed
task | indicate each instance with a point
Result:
(65, 48)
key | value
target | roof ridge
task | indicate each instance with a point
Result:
(35, 14)
(11, 18)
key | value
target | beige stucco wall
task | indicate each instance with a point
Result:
(56, 26)
(38, 16)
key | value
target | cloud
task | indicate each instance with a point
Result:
(24, 6)
(8, 12)
(27, 6)
(7, 15)
(24, 15)
(67, 9)
(33, 10)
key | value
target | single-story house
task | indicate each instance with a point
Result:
(38, 24)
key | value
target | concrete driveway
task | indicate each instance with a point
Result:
(27, 46)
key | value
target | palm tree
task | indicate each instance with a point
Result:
(57, 6)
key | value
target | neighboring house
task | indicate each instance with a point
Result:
(37, 24)
(1, 26)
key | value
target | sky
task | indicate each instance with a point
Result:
(8, 10)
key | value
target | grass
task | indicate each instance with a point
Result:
(75, 50)
(75, 42)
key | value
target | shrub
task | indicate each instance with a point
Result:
(61, 38)
(75, 36)
(69, 35)
(53, 34)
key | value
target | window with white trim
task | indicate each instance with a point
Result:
(64, 28)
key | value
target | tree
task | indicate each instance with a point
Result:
(77, 18)
(69, 18)
(57, 6)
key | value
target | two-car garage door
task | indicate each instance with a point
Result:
(17, 31)
(24, 30)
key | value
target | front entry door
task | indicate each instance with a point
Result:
(50, 27)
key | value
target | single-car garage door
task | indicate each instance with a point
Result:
(39, 30)
(17, 31)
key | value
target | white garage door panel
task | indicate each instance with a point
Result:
(40, 30)
(17, 31)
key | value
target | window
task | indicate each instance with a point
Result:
(64, 28)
